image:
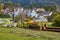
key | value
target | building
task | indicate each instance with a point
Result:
(58, 9)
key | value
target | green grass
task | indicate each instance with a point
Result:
(27, 34)
(5, 18)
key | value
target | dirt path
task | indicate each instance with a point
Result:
(53, 29)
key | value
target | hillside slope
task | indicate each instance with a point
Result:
(37, 2)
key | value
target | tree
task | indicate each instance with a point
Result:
(51, 7)
(32, 5)
(1, 7)
(57, 20)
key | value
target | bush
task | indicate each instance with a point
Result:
(22, 25)
(4, 16)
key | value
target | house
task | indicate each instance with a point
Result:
(32, 13)
(38, 16)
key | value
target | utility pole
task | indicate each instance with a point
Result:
(13, 19)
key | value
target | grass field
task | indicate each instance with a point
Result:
(5, 18)
(27, 34)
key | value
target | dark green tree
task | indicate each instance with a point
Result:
(32, 5)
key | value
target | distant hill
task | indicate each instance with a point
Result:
(37, 2)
